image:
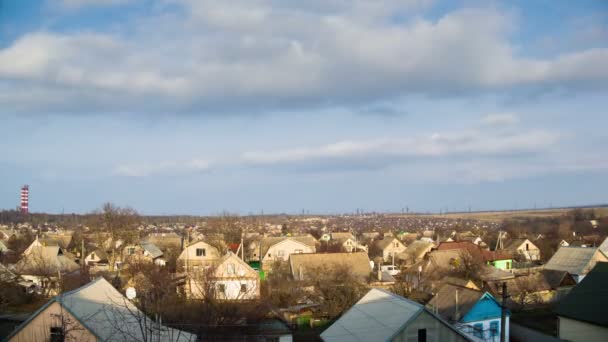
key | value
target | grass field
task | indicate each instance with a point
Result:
(501, 215)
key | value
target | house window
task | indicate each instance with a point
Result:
(57, 334)
(508, 265)
(494, 328)
(201, 252)
(527, 247)
(131, 250)
(421, 335)
(299, 251)
(396, 244)
(230, 268)
(221, 288)
(243, 288)
(478, 330)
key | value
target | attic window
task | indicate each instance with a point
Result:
(201, 252)
(131, 250)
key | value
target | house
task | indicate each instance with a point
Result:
(388, 248)
(496, 259)
(165, 240)
(43, 265)
(94, 312)
(144, 251)
(523, 249)
(415, 252)
(538, 288)
(325, 237)
(577, 261)
(227, 278)
(97, 257)
(273, 249)
(475, 313)
(303, 266)
(564, 243)
(198, 254)
(384, 316)
(474, 239)
(583, 313)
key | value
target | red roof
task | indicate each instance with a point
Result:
(233, 247)
(474, 249)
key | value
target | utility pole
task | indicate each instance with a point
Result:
(503, 316)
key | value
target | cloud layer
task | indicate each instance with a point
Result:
(246, 56)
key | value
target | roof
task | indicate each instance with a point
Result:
(378, 316)
(473, 249)
(342, 236)
(268, 242)
(100, 253)
(107, 314)
(545, 280)
(387, 241)
(151, 248)
(305, 264)
(588, 301)
(574, 260)
(604, 246)
(47, 260)
(444, 301)
(416, 249)
(245, 271)
(513, 244)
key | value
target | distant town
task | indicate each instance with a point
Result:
(115, 275)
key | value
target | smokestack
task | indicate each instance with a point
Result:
(25, 196)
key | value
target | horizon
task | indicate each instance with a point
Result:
(181, 107)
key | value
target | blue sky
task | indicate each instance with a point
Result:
(196, 106)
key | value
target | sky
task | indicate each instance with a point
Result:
(321, 106)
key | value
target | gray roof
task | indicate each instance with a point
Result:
(107, 314)
(574, 260)
(445, 304)
(378, 316)
(604, 246)
(151, 248)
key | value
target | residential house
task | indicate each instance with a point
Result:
(273, 249)
(538, 288)
(94, 312)
(198, 254)
(63, 239)
(3, 246)
(564, 243)
(44, 265)
(474, 239)
(384, 316)
(388, 248)
(583, 313)
(226, 278)
(325, 237)
(97, 258)
(304, 266)
(496, 259)
(165, 240)
(523, 249)
(577, 261)
(475, 313)
(415, 252)
(144, 251)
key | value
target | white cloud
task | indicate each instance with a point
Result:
(161, 168)
(500, 119)
(249, 55)
(391, 151)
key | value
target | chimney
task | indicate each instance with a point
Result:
(379, 272)
(456, 310)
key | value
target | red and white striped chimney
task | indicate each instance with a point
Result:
(25, 196)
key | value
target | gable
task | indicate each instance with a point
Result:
(285, 244)
(486, 308)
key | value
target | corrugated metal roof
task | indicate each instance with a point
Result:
(378, 316)
(574, 260)
(588, 301)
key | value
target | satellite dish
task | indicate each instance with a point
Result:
(131, 294)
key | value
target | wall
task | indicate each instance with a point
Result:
(287, 247)
(39, 328)
(574, 331)
(435, 330)
(468, 329)
(189, 254)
